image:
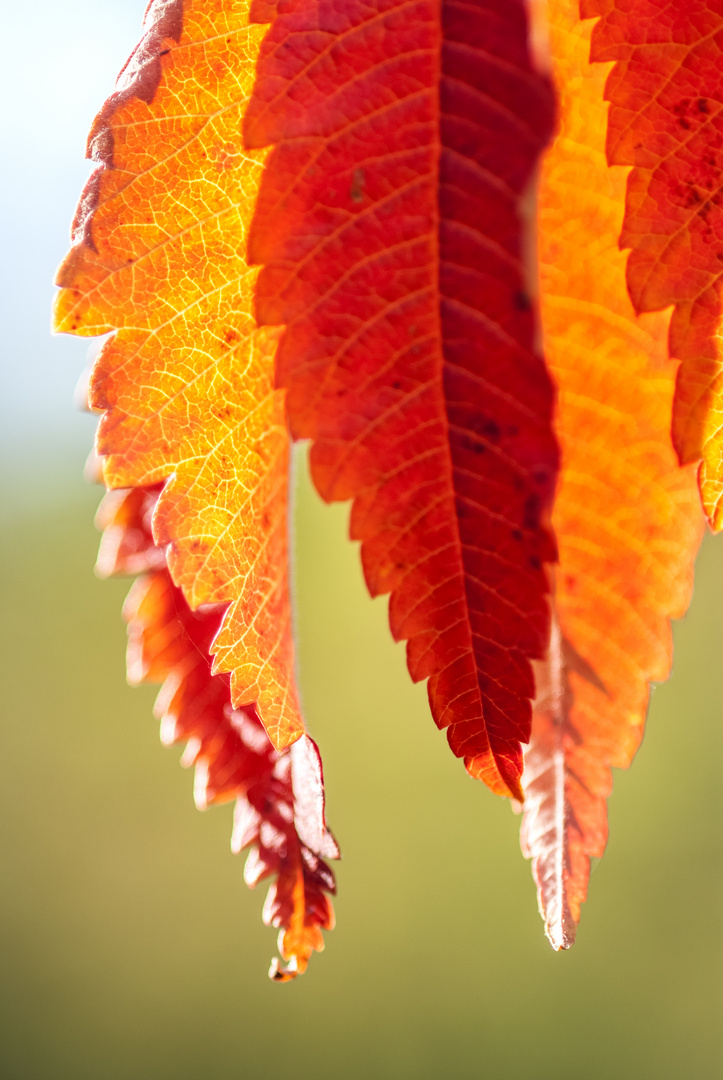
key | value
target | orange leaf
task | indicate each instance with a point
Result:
(187, 381)
(626, 516)
(666, 119)
(194, 436)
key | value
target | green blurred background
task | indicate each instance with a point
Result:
(130, 946)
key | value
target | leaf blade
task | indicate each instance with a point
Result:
(278, 814)
(666, 120)
(626, 515)
(409, 352)
(186, 382)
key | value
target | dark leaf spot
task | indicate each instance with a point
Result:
(531, 514)
(356, 192)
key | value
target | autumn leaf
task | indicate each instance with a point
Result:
(626, 515)
(392, 237)
(193, 426)
(340, 222)
(186, 383)
(279, 796)
(666, 120)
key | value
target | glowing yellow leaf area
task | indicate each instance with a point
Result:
(187, 381)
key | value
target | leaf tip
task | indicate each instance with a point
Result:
(282, 973)
(561, 934)
(501, 775)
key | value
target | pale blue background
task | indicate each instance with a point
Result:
(59, 60)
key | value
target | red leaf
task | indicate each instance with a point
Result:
(388, 222)
(666, 119)
(279, 795)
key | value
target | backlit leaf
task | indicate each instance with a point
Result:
(391, 219)
(279, 796)
(186, 384)
(666, 119)
(626, 516)
(193, 426)
(391, 229)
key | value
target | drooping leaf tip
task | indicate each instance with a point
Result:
(284, 973)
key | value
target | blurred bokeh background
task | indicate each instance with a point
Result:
(130, 946)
